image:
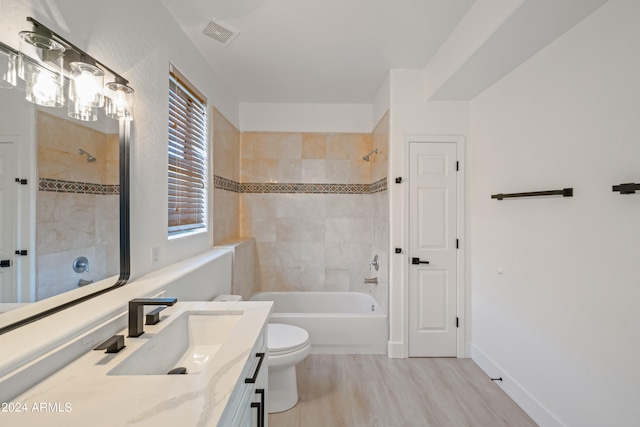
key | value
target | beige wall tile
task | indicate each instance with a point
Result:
(264, 229)
(338, 147)
(247, 140)
(314, 145)
(311, 278)
(288, 206)
(226, 215)
(265, 170)
(337, 171)
(226, 163)
(265, 145)
(336, 279)
(58, 143)
(247, 173)
(112, 158)
(380, 140)
(300, 229)
(314, 171)
(359, 144)
(359, 172)
(53, 163)
(226, 147)
(289, 170)
(289, 146)
(312, 205)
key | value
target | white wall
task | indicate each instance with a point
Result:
(411, 115)
(338, 118)
(560, 325)
(382, 101)
(137, 39)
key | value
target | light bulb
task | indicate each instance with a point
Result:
(86, 84)
(119, 101)
(44, 88)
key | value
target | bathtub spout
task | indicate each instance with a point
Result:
(371, 280)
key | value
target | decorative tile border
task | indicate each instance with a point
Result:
(304, 188)
(378, 186)
(225, 184)
(62, 186)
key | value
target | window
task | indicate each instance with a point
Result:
(187, 156)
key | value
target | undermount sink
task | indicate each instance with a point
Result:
(189, 341)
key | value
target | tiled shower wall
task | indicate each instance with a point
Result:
(77, 204)
(226, 167)
(318, 211)
(380, 238)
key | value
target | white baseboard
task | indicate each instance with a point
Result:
(395, 350)
(532, 406)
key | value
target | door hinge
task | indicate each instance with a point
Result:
(22, 252)
(457, 244)
(457, 165)
(21, 181)
(398, 250)
(5, 263)
(457, 322)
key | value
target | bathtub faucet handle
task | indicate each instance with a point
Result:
(375, 263)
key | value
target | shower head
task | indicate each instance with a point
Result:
(366, 158)
(90, 158)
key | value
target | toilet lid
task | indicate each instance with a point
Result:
(285, 338)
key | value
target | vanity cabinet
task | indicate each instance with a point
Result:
(248, 404)
(132, 388)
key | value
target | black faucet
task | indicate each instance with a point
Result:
(136, 307)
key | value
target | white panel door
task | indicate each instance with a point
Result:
(8, 291)
(432, 243)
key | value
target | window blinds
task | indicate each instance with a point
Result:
(187, 158)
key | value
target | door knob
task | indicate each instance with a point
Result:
(416, 261)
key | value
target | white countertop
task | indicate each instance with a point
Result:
(82, 394)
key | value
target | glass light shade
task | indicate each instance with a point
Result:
(40, 66)
(119, 101)
(7, 70)
(82, 111)
(43, 87)
(86, 85)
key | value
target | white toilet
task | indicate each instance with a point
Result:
(287, 346)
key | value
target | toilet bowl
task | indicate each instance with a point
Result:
(287, 346)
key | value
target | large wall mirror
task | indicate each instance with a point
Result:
(64, 203)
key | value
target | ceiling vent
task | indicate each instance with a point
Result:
(219, 32)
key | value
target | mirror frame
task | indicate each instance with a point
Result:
(125, 266)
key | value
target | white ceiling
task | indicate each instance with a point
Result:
(317, 51)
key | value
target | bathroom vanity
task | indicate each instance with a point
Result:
(216, 352)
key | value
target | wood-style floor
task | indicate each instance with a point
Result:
(373, 390)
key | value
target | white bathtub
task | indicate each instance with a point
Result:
(337, 322)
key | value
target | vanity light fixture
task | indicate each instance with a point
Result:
(119, 101)
(44, 81)
(47, 62)
(7, 69)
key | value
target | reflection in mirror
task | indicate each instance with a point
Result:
(77, 203)
(63, 205)
(76, 199)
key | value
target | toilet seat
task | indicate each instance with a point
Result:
(284, 339)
